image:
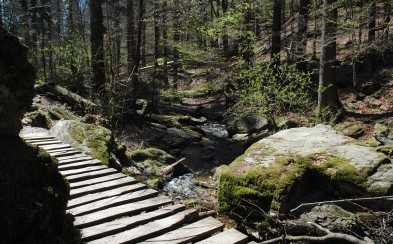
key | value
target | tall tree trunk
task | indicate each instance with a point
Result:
(130, 36)
(34, 36)
(302, 34)
(25, 20)
(156, 32)
(165, 39)
(176, 39)
(327, 93)
(371, 37)
(225, 39)
(97, 53)
(386, 12)
(276, 29)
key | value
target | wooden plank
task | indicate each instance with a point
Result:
(73, 158)
(119, 225)
(113, 202)
(58, 154)
(76, 202)
(46, 142)
(61, 150)
(189, 233)
(119, 211)
(78, 165)
(39, 140)
(79, 184)
(74, 193)
(82, 170)
(231, 236)
(52, 147)
(36, 136)
(89, 175)
(149, 230)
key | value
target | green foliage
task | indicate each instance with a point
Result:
(271, 90)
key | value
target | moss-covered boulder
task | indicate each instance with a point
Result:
(151, 160)
(91, 139)
(33, 196)
(302, 165)
(17, 78)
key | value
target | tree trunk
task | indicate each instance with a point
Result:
(25, 20)
(371, 37)
(327, 92)
(97, 52)
(165, 39)
(386, 13)
(225, 41)
(302, 34)
(1, 13)
(176, 39)
(130, 36)
(276, 36)
(156, 32)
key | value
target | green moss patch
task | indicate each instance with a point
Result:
(266, 186)
(96, 138)
(153, 155)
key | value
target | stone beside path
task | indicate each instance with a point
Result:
(110, 207)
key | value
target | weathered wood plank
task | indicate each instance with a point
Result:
(46, 142)
(85, 176)
(72, 203)
(150, 229)
(52, 147)
(74, 193)
(78, 165)
(119, 211)
(68, 153)
(36, 136)
(79, 184)
(31, 141)
(189, 233)
(73, 158)
(68, 149)
(230, 236)
(119, 225)
(113, 202)
(82, 170)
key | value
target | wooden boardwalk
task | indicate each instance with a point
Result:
(110, 207)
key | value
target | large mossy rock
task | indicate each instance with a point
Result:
(91, 139)
(33, 196)
(17, 77)
(303, 165)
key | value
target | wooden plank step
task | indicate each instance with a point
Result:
(52, 147)
(79, 184)
(113, 202)
(78, 165)
(74, 193)
(189, 233)
(90, 175)
(46, 142)
(83, 200)
(149, 230)
(39, 140)
(82, 170)
(73, 158)
(119, 225)
(230, 236)
(58, 154)
(36, 136)
(70, 149)
(119, 211)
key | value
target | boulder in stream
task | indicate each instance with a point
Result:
(302, 165)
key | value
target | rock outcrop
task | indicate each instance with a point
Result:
(303, 165)
(33, 193)
(17, 77)
(91, 139)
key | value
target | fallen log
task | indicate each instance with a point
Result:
(67, 96)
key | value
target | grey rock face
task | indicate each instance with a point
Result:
(17, 77)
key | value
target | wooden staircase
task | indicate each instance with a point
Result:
(110, 207)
